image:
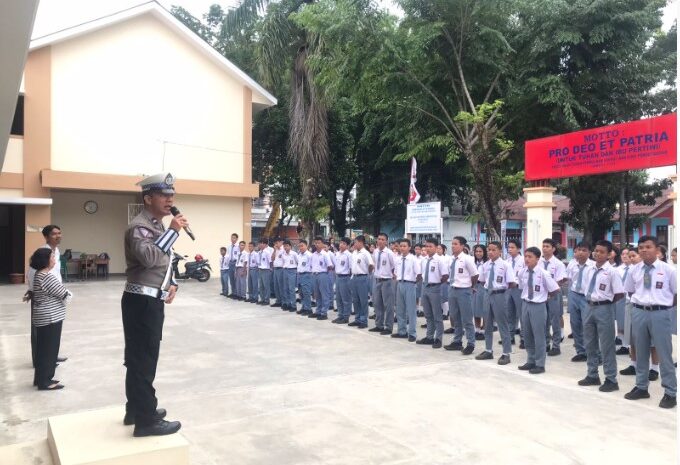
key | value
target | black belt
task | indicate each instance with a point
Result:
(304, 272)
(319, 272)
(359, 274)
(406, 281)
(461, 288)
(342, 275)
(583, 295)
(651, 308)
(601, 302)
(384, 279)
(432, 284)
(497, 291)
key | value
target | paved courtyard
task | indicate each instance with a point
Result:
(256, 385)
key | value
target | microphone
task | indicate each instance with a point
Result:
(175, 211)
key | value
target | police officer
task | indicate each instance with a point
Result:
(148, 288)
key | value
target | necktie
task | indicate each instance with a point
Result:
(530, 284)
(379, 255)
(452, 274)
(427, 271)
(546, 263)
(591, 286)
(580, 277)
(648, 276)
(513, 263)
(492, 275)
(403, 267)
(625, 274)
(239, 257)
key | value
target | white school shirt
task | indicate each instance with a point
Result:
(320, 262)
(435, 269)
(572, 275)
(384, 263)
(516, 263)
(607, 282)
(290, 260)
(543, 284)
(411, 266)
(305, 262)
(480, 267)
(224, 262)
(233, 251)
(462, 270)
(361, 260)
(503, 274)
(343, 262)
(278, 261)
(663, 284)
(254, 258)
(242, 259)
(266, 258)
(555, 267)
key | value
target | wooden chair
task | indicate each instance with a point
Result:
(102, 263)
(87, 265)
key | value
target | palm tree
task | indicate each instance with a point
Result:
(283, 49)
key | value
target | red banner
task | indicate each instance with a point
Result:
(641, 144)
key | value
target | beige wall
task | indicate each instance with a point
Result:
(11, 193)
(14, 156)
(135, 98)
(100, 232)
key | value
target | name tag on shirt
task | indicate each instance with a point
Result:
(659, 284)
(304, 263)
(460, 270)
(603, 287)
(537, 288)
(342, 262)
(499, 279)
(358, 260)
(292, 262)
(384, 262)
(432, 268)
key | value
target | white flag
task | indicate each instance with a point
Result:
(413, 195)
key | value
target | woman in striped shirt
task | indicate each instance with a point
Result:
(49, 309)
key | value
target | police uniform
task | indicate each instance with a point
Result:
(498, 275)
(253, 264)
(241, 274)
(360, 286)
(558, 272)
(577, 306)
(304, 277)
(408, 272)
(265, 275)
(343, 273)
(433, 274)
(653, 289)
(149, 276)
(536, 284)
(383, 289)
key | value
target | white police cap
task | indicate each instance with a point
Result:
(161, 182)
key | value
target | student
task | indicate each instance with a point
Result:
(623, 270)
(446, 259)
(514, 294)
(463, 276)
(418, 251)
(264, 272)
(383, 288)
(614, 257)
(557, 270)
(434, 274)
(304, 277)
(241, 271)
(224, 271)
(537, 285)
(652, 285)
(233, 255)
(498, 276)
(479, 293)
(343, 273)
(362, 265)
(577, 306)
(290, 264)
(321, 266)
(253, 264)
(408, 272)
(277, 274)
(604, 289)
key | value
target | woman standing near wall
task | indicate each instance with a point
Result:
(49, 310)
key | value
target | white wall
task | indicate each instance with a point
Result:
(14, 156)
(135, 98)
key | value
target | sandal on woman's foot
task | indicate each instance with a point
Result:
(51, 387)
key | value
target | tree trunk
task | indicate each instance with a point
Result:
(272, 221)
(623, 233)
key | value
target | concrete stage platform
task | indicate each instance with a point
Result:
(256, 385)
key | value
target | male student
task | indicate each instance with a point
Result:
(408, 273)
(577, 304)
(463, 276)
(550, 263)
(434, 274)
(362, 265)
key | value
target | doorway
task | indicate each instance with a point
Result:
(12, 239)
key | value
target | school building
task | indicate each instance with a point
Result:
(107, 102)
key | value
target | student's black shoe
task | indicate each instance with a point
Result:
(571, 336)
(385, 332)
(618, 341)
(275, 305)
(353, 323)
(554, 352)
(362, 326)
(495, 328)
(375, 330)
(479, 336)
(322, 317)
(130, 417)
(312, 315)
(340, 321)
(526, 367)
(425, 341)
(579, 358)
(62, 359)
(371, 317)
(424, 325)
(589, 381)
(636, 394)
(486, 355)
(449, 331)
(454, 346)
(537, 370)
(521, 344)
(609, 386)
(468, 349)
(292, 309)
(420, 313)
(411, 339)
(353, 313)
(628, 371)
(653, 375)
(622, 351)
(504, 360)
(332, 309)
(158, 428)
(437, 344)
(667, 401)
(298, 300)
(399, 336)
(370, 304)
(547, 348)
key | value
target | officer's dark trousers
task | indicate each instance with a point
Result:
(47, 349)
(143, 327)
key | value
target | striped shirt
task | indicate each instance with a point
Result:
(48, 299)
